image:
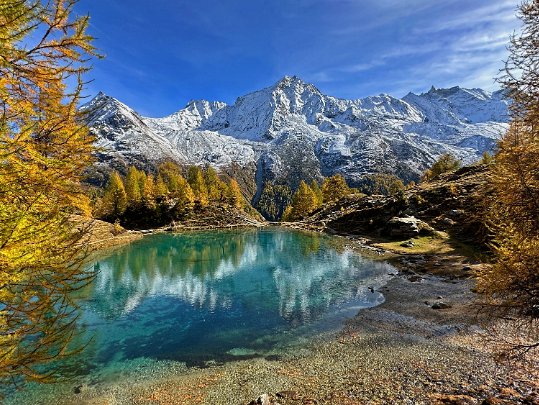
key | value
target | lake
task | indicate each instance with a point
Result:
(218, 296)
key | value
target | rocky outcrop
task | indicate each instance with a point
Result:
(451, 204)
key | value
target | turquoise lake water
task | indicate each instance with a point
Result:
(219, 296)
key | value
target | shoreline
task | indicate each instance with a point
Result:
(405, 350)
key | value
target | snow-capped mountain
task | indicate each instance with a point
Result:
(291, 131)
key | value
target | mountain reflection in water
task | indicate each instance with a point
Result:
(205, 294)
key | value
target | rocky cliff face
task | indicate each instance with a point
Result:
(291, 131)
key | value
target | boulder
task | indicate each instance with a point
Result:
(407, 227)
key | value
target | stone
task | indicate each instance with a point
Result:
(414, 279)
(440, 305)
(491, 401)
(293, 395)
(263, 399)
(408, 244)
(405, 227)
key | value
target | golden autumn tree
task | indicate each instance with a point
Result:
(134, 186)
(334, 188)
(115, 199)
(44, 148)
(304, 202)
(234, 196)
(198, 185)
(513, 209)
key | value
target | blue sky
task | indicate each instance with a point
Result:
(160, 54)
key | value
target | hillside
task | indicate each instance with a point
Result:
(291, 131)
(452, 204)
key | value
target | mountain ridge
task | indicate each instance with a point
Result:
(291, 131)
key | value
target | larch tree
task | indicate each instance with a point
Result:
(445, 163)
(214, 185)
(318, 193)
(195, 179)
(161, 189)
(133, 186)
(303, 203)
(44, 149)
(183, 196)
(334, 188)
(234, 196)
(512, 282)
(148, 191)
(115, 199)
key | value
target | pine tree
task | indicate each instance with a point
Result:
(235, 198)
(334, 188)
(44, 149)
(195, 179)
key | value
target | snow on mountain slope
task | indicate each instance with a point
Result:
(291, 131)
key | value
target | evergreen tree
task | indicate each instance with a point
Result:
(195, 179)
(334, 188)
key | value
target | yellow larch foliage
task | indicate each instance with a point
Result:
(44, 148)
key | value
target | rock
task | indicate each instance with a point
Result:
(408, 227)
(466, 268)
(408, 244)
(263, 399)
(309, 401)
(293, 395)
(492, 401)
(447, 221)
(405, 227)
(415, 279)
(440, 305)
(456, 213)
(455, 400)
(77, 389)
